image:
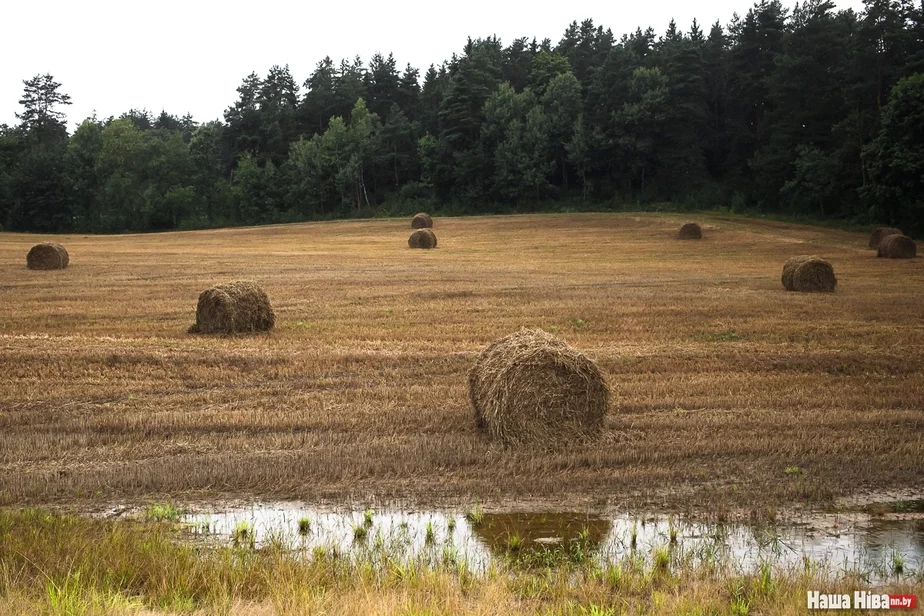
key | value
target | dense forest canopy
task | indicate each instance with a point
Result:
(805, 112)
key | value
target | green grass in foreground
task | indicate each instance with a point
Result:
(54, 564)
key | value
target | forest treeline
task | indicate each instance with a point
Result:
(808, 111)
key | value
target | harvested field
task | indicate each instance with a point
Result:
(721, 379)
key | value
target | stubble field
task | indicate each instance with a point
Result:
(721, 380)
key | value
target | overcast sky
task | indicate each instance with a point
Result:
(112, 56)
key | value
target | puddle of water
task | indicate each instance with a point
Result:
(837, 544)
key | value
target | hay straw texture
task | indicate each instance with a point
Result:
(531, 388)
(897, 247)
(422, 221)
(808, 274)
(422, 238)
(880, 233)
(690, 231)
(47, 256)
(234, 307)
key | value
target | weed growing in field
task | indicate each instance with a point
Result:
(672, 531)
(583, 536)
(66, 597)
(898, 563)
(162, 513)
(429, 534)
(767, 581)
(475, 516)
(367, 516)
(794, 471)
(451, 524)
(662, 559)
(242, 535)
(360, 531)
(304, 526)
(739, 607)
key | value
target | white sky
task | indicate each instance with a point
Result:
(112, 56)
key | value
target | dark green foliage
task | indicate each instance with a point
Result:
(895, 159)
(793, 111)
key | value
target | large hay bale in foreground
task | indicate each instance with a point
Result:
(234, 307)
(422, 238)
(807, 274)
(47, 256)
(789, 268)
(880, 233)
(530, 387)
(690, 231)
(422, 221)
(897, 247)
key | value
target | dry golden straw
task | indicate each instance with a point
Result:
(897, 247)
(530, 387)
(47, 256)
(880, 233)
(690, 231)
(422, 238)
(234, 307)
(422, 221)
(808, 274)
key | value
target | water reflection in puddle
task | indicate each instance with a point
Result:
(872, 546)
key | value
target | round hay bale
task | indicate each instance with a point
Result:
(690, 231)
(789, 268)
(897, 247)
(47, 256)
(808, 273)
(814, 276)
(422, 238)
(422, 220)
(880, 233)
(235, 307)
(530, 387)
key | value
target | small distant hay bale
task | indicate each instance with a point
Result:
(234, 307)
(530, 387)
(690, 231)
(422, 238)
(880, 233)
(897, 247)
(808, 274)
(47, 256)
(422, 221)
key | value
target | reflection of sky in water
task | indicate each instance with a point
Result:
(839, 544)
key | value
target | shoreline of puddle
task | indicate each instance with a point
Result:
(880, 541)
